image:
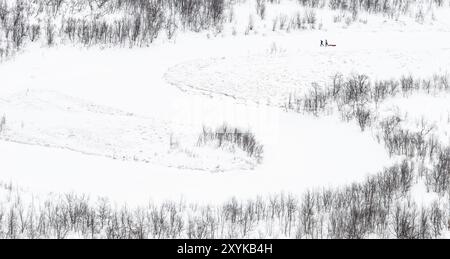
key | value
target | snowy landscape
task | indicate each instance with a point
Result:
(206, 119)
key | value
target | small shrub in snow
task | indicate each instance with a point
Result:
(363, 117)
(261, 8)
(316, 101)
(2, 123)
(250, 25)
(50, 33)
(420, 16)
(311, 18)
(283, 22)
(275, 23)
(296, 21)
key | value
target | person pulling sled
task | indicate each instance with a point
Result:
(322, 44)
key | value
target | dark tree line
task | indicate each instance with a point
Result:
(108, 22)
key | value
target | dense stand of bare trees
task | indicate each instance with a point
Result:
(227, 135)
(115, 22)
(378, 207)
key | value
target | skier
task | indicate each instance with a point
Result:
(321, 43)
(326, 43)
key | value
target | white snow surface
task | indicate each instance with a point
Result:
(48, 118)
(88, 81)
(115, 103)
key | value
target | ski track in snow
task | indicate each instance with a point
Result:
(271, 78)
